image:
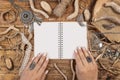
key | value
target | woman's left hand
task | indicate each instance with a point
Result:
(36, 68)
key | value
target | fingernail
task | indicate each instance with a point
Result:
(75, 51)
(33, 58)
(46, 72)
(39, 54)
(77, 48)
(73, 55)
(47, 59)
(89, 52)
(83, 48)
(45, 54)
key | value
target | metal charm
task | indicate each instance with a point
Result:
(26, 17)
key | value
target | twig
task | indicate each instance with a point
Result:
(101, 53)
(73, 72)
(10, 12)
(65, 77)
(9, 29)
(106, 68)
(36, 10)
(8, 37)
(24, 41)
(114, 6)
(112, 19)
(115, 61)
(75, 13)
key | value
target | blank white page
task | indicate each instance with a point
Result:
(46, 38)
(73, 36)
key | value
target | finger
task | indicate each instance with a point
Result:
(44, 75)
(86, 54)
(43, 67)
(40, 62)
(36, 59)
(93, 60)
(82, 57)
(29, 63)
(76, 68)
(77, 71)
(77, 59)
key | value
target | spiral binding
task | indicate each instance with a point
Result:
(60, 40)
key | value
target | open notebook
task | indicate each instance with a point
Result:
(59, 39)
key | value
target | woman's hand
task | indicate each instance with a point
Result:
(86, 67)
(36, 68)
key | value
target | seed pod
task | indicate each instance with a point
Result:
(46, 7)
(87, 15)
(9, 63)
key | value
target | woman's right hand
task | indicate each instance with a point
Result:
(86, 67)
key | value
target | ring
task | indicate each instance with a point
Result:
(32, 65)
(88, 58)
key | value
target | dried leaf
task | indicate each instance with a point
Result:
(98, 6)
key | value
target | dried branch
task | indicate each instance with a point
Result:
(12, 27)
(98, 6)
(99, 56)
(109, 18)
(75, 13)
(65, 77)
(107, 69)
(10, 12)
(24, 41)
(115, 61)
(36, 10)
(73, 72)
(114, 6)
